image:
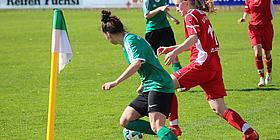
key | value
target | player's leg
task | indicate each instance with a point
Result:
(233, 118)
(268, 61)
(215, 93)
(256, 42)
(173, 117)
(137, 109)
(267, 36)
(159, 107)
(157, 121)
(259, 63)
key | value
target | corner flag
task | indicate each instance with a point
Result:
(61, 55)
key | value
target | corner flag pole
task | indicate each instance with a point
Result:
(52, 96)
(61, 55)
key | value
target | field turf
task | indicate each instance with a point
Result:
(84, 111)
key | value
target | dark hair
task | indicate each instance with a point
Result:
(111, 24)
(204, 5)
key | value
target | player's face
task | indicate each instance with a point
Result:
(182, 6)
(110, 38)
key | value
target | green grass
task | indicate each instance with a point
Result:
(84, 111)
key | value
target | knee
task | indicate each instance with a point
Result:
(155, 129)
(219, 111)
(123, 122)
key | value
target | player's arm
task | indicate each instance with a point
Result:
(154, 12)
(246, 12)
(165, 50)
(172, 18)
(140, 88)
(170, 57)
(130, 70)
(243, 18)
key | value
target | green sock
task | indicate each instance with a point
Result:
(140, 126)
(166, 134)
(176, 66)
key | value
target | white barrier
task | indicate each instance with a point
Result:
(45, 4)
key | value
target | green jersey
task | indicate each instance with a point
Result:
(159, 21)
(152, 74)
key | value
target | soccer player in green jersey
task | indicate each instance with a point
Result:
(159, 33)
(158, 89)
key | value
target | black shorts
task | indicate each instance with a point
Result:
(152, 102)
(160, 37)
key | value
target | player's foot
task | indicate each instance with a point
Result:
(252, 136)
(268, 79)
(176, 130)
(262, 82)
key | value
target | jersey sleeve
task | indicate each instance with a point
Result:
(146, 7)
(191, 25)
(246, 7)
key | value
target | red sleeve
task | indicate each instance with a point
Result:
(246, 7)
(192, 25)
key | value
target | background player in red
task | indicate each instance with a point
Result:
(261, 34)
(205, 68)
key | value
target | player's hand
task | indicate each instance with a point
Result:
(164, 8)
(164, 50)
(140, 89)
(109, 85)
(241, 20)
(169, 58)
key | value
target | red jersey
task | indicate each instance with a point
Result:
(261, 11)
(196, 22)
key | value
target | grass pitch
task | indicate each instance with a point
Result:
(84, 111)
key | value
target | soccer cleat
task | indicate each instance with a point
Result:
(181, 89)
(176, 130)
(253, 136)
(268, 79)
(262, 82)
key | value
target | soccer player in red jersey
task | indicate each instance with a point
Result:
(261, 34)
(205, 68)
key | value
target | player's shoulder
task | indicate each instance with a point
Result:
(196, 14)
(131, 37)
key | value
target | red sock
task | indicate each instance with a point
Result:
(268, 64)
(234, 119)
(259, 65)
(174, 111)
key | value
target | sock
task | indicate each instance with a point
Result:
(176, 66)
(140, 126)
(259, 65)
(246, 129)
(173, 116)
(268, 64)
(166, 134)
(235, 120)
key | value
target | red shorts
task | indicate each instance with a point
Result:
(208, 77)
(261, 34)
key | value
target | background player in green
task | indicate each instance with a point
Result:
(159, 33)
(158, 88)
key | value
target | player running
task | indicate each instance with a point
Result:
(158, 88)
(261, 34)
(205, 68)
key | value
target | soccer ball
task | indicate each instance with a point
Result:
(132, 135)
